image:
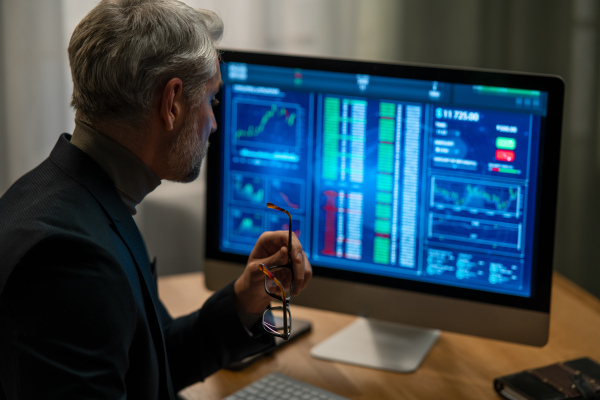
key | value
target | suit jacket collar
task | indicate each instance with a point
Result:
(79, 166)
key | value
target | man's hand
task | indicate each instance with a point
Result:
(270, 249)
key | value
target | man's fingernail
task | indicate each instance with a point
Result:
(299, 257)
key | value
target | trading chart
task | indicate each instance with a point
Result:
(267, 129)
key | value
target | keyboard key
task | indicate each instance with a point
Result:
(279, 386)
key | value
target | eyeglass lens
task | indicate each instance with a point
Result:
(275, 321)
(285, 277)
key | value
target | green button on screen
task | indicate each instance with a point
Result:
(506, 143)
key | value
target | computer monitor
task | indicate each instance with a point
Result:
(424, 196)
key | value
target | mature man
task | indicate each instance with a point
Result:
(79, 311)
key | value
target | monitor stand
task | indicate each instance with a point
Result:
(378, 344)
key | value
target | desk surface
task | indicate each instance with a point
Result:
(458, 366)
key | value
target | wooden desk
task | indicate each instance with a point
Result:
(458, 366)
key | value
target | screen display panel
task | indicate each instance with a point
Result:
(419, 177)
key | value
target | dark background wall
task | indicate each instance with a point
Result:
(547, 36)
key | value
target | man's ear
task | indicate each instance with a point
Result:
(172, 105)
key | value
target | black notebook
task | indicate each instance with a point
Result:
(575, 379)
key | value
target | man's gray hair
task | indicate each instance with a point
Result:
(124, 52)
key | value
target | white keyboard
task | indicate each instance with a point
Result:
(279, 386)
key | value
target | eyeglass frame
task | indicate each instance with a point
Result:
(285, 299)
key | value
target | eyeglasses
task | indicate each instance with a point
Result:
(279, 284)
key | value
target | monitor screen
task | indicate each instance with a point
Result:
(429, 180)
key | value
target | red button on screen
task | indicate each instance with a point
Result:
(505, 155)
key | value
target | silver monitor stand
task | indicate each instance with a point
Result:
(378, 344)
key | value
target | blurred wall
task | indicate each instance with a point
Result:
(549, 36)
(4, 181)
(35, 105)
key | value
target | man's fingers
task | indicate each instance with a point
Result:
(302, 272)
(272, 250)
(278, 258)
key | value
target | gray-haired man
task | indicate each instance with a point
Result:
(79, 312)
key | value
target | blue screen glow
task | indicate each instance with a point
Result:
(421, 180)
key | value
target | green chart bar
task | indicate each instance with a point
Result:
(331, 138)
(385, 183)
(381, 250)
(385, 161)
(385, 167)
(344, 139)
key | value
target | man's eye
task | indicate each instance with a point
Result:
(214, 102)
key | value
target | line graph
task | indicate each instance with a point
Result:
(289, 118)
(476, 196)
(246, 225)
(288, 193)
(483, 233)
(246, 188)
(266, 124)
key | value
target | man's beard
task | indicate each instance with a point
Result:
(187, 152)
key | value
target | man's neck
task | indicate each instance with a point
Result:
(145, 141)
(133, 179)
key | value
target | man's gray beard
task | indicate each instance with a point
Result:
(186, 153)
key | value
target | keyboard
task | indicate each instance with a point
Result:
(279, 386)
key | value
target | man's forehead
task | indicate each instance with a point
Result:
(216, 82)
(216, 85)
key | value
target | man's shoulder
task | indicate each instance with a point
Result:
(44, 203)
(65, 189)
(44, 196)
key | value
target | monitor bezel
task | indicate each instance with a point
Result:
(547, 185)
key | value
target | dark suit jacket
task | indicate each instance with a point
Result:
(80, 315)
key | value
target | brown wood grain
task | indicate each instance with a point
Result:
(458, 366)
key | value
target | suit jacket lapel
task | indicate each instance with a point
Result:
(132, 238)
(80, 167)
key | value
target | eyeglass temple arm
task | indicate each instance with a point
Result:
(274, 207)
(266, 271)
(285, 321)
